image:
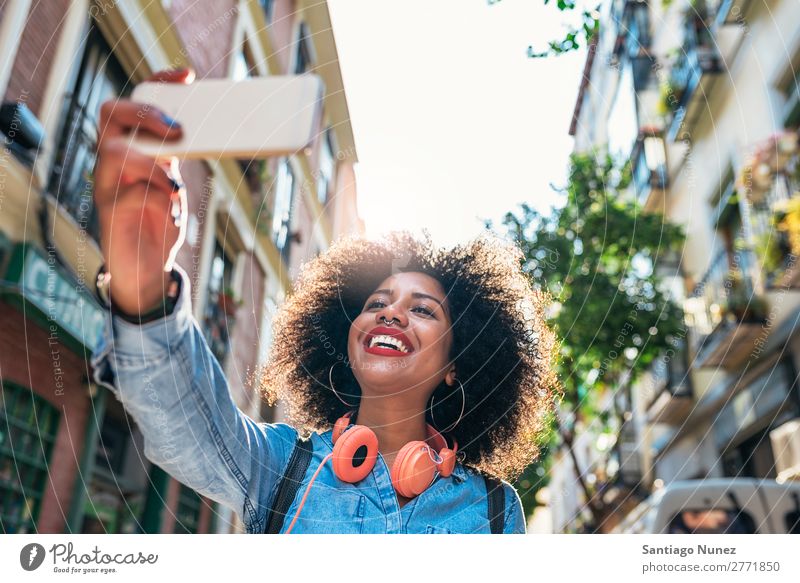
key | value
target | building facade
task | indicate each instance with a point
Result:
(702, 98)
(70, 458)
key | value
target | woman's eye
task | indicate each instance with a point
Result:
(375, 304)
(424, 309)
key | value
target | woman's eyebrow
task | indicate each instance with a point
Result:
(422, 295)
(415, 295)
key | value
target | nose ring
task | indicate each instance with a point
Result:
(387, 322)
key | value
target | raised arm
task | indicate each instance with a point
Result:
(163, 371)
(171, 384)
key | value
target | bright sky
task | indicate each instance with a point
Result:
(452, 121)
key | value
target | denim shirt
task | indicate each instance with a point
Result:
(166, 377)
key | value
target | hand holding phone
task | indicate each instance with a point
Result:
(252, 118)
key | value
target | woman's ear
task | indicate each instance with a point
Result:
(450, 377)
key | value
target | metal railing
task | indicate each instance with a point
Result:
(645, 178)
(698, 57)
(670, 372)
(728, 274)
(769, 239)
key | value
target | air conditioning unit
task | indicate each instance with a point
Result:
(786, 449)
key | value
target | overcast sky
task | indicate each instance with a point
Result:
(452, 121)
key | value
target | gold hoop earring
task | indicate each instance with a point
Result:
(463, 404)
(330, 380)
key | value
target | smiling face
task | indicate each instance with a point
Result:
(412, 354)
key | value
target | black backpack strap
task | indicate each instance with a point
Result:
(495, 495)
(290, 483)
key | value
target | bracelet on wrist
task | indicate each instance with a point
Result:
(165, 308)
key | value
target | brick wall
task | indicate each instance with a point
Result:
(280, 31)
(26, 359)
(304, 224)
(244, 348)
(206, 29)
(34, 57)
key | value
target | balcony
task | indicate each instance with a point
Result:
(671, 396)
(771, 213)
(649, 168)
(632, 21)
(730, 12)
(691, 78)
(728, 316)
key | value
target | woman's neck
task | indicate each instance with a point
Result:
(394, 424)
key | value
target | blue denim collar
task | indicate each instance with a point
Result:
(459, 472)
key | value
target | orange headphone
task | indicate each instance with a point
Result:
(414, 469)
(416, 466)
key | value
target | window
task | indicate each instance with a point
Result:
(282, 216)
(28, 426)
(187, 516)
(100, 78)
(190, 508)
(792, 518)
(303, 57)
(269, 9)
(244, 66)
(326, 167)
(712, 521)
(112, 445)
(623, 127)
(220, 308)
(791, 90)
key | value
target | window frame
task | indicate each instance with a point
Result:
(38, 468)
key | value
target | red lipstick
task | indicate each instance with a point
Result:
(386, 348)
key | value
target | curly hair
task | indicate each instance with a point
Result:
(502, 348)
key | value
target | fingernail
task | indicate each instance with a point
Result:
(173, 123)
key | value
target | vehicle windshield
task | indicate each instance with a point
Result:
(712, 521)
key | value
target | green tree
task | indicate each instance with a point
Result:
(573, 35)
(597, 257)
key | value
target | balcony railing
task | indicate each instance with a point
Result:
(778, 264)
(638, 22)
(631, 19)
(727, 282)
(726, 313)
(699, 59)
(730, 12)
(71, 176)
(671, 391)
(648, 166)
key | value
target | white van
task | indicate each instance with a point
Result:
(716, 506)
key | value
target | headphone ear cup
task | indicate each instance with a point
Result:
(413, 469)
(354, 454)
(448, 462)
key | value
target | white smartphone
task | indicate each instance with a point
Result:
(251, 118)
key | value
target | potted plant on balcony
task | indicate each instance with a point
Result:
(787, 221)
(670, 94)
(744, 307)
(775, 155)
(772, 248)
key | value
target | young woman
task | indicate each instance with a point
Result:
(417, 372)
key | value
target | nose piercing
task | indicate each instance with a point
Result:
(387, 322)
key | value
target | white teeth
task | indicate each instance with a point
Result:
(391, 340)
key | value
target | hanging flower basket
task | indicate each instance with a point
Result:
(770, 158)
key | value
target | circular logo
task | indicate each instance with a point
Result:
(31, 556)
